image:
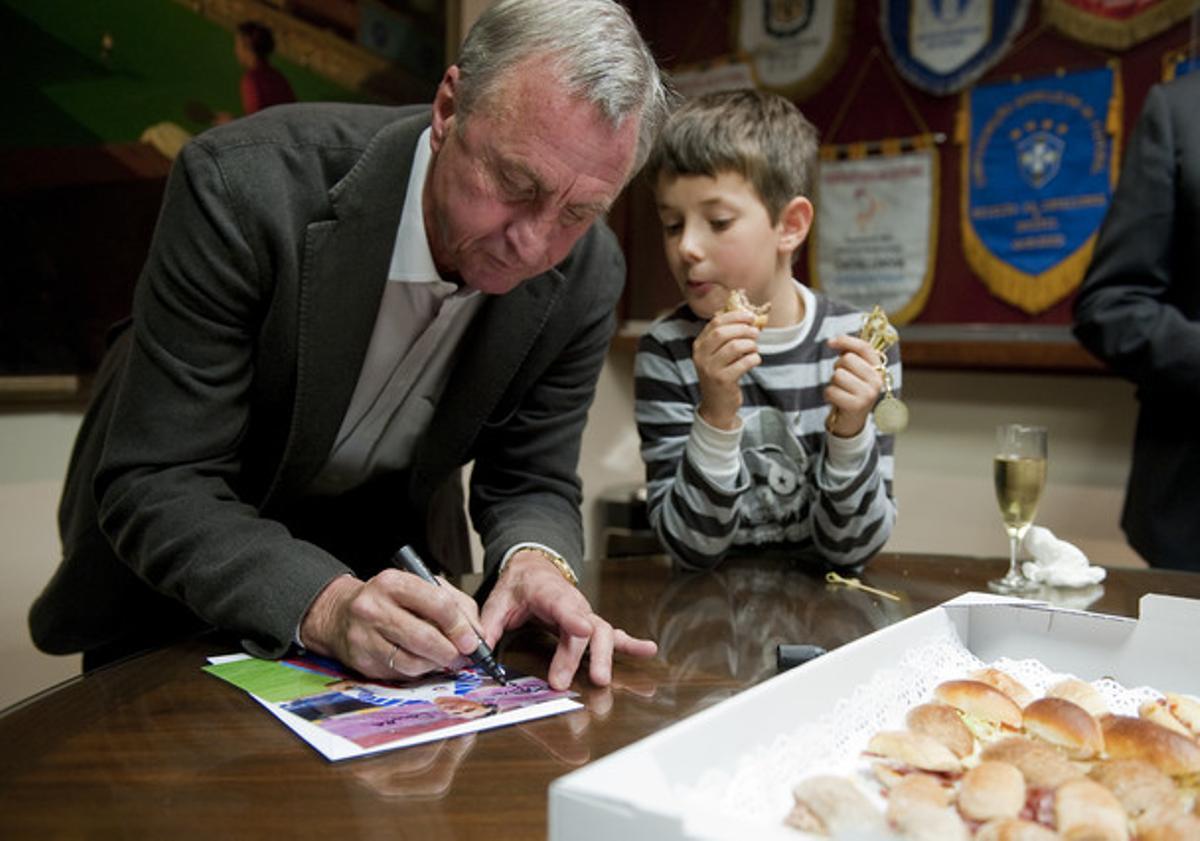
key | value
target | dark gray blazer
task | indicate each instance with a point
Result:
(186, 502)
(1139, 311)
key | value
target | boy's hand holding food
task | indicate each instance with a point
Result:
(855, 385)
(726, 349)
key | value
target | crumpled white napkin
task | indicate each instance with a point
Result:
(1057, 563)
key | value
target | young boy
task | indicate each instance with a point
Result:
(755, 440)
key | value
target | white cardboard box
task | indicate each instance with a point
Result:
(632, 794)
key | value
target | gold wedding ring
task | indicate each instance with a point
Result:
(392, 658)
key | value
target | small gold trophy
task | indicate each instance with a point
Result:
(891, 415)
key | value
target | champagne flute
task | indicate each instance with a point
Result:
(1019, 470)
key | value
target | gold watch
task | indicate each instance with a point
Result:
(560, 563)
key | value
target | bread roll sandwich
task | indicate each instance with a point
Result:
(1187, 710)
(1085, 809)
(991, 790)
(1180, 713)
(1041, 765)
(1141, 788)
(1065, 725)
(829, 805)
(1181, 827)
(986, 710)
(1158, 712)
(927, 788)
(918, 811)
(1082, 693)
(1005, 682)
(905, 750)
(943, 723)
(1127, 737)
(738, 302)
(1015, 829)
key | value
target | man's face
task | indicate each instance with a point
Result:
(512, 187)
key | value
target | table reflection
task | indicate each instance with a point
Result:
(153, 746)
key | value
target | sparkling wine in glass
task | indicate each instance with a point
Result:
(1019, 470)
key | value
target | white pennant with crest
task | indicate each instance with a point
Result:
(876, 228)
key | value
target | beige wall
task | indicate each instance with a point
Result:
(943, 479)
(34, 448)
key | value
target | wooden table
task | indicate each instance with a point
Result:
(154, 748)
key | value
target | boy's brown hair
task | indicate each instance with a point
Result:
(761, 136)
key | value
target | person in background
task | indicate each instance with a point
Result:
(754, 439)
(1138, 311)
(262, 85)
(342, 306)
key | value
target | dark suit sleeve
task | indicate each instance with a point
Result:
(169, 486)
(524, 485)
(1131, 311)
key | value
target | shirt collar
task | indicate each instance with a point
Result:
(412, 261)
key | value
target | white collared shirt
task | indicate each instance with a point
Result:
(419, 327)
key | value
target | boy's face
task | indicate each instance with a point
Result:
(719, 236)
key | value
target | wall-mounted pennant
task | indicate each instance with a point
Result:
(1114, 24)
(1179, 62)
(722, 74)
(876, 225)
(793, 46)
(1038, 174)
(941, 46)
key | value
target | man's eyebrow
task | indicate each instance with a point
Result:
(593, 208)
(510, 169)
(514, 169)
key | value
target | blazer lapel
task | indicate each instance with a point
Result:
(497, 344)
(345, 269)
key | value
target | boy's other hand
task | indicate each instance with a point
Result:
(855, 385)
(726, 349)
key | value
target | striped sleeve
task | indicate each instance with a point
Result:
(856, 510)
(694, 517)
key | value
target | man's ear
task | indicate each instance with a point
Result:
(445, 103)
(795, 220)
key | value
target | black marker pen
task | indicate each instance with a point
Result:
(406, 558)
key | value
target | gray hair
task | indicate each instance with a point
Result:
(594, 44)
(761, 136)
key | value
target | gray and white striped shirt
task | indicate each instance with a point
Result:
(781, 482)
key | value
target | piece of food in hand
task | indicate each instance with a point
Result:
(738, 302)
(904, 749)
(985, 709)
(942, 722)
(991, 790)
(1005, 682)
(1082, 693)
(1085, 809)
(1015, 829)
(1127, 737)
(829, 805)
(1141, 787)
(1041, 765)
(1180, 713)
(1065, 725)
